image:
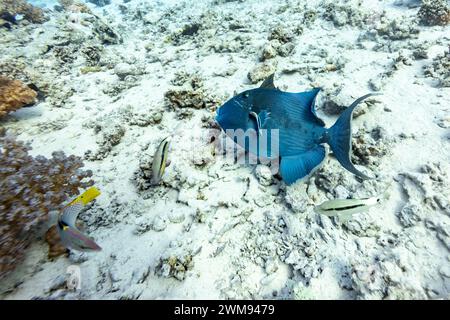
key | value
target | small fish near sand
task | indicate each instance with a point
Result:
(301, 133)
(160, 161)
(71, 237)
(345, 208)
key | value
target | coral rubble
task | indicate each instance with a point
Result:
(440, 69)
(434, 13)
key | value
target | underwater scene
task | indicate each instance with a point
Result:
(224, 149)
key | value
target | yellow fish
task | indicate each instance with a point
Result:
(71, 237)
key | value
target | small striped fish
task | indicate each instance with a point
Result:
(160, 160)
(71, 237)
(346, 207)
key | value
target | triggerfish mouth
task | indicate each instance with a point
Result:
(71, 237)
(301, 133)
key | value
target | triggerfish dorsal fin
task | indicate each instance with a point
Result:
(340, 138)
(268, 83)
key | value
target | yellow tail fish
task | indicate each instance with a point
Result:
(71, 237)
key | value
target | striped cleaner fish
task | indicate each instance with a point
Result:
(71, 237)
(345, 208)
(160, 160)
(290, 119)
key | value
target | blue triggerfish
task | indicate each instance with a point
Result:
(301, 133)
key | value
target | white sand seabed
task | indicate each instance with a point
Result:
(214, 229)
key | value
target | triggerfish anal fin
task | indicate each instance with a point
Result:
(87, 196)
(296, 167)
(340, 137)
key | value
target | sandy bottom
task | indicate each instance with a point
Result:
(122, 78)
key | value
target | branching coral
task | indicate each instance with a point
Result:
(29, 12)
(31, 187)
(14, 95)
(434, 13)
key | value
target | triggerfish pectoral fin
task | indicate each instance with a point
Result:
(340, 138)
(261, 119)
(300, 166)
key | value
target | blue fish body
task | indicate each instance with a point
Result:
(301, 132)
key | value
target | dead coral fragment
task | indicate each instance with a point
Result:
(14, 95)
(191, 95)
(262, 71)
(31, 187)
(281, 34)
(175, 266)
(440, 69)
(343, 13)
(29, 12)
(110, 137)
(434, 13)
(369, 148)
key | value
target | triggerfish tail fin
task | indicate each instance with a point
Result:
(340, 135)
(297, 167)
(86, 197)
